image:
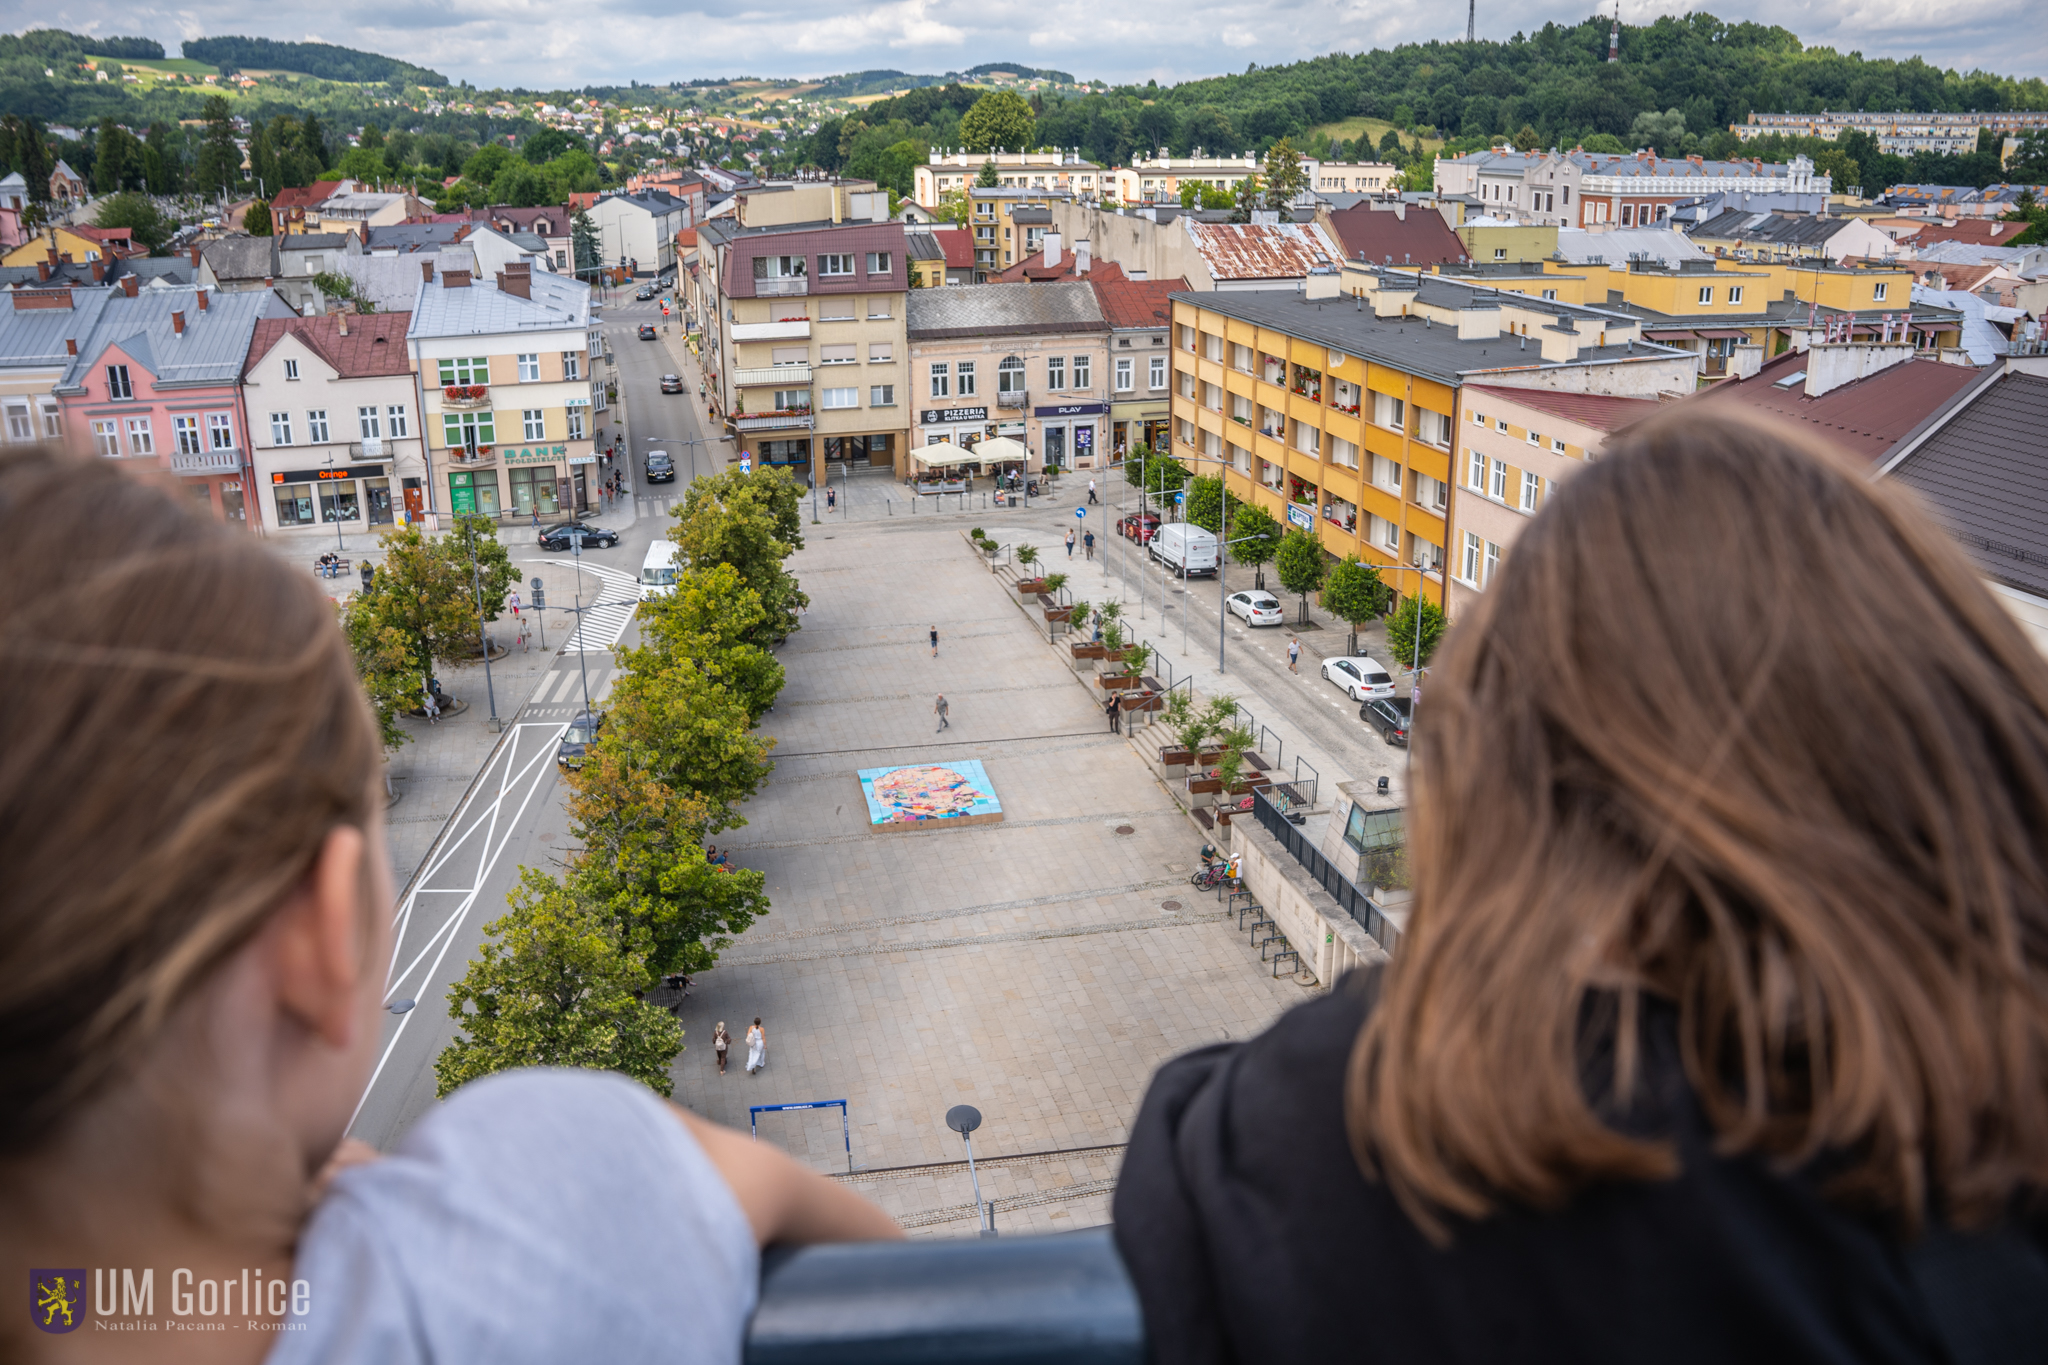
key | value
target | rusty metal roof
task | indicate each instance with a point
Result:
(1262, 251)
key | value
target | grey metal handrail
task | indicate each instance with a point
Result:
(1354, 902)
(1064, 1299)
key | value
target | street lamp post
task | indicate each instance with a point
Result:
(1223, 593)
(483, 635)
(964, 1119)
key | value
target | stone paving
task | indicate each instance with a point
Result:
(1039, 968)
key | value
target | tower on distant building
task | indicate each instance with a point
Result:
(1614, 35)
(1472, 21)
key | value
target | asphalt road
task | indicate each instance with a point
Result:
(513, 815)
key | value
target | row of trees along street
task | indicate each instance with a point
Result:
(1351, 591)
(562, 978)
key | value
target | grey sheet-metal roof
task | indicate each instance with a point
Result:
(478, 309)
(242, 258)
(1984, 342)
(314, 241)
(1623, 244)
(1002, 310)
(1406, 343)
(1986, 472)
(417, 238)
(211, 350)
(36, 336)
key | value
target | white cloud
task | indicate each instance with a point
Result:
(537, 43)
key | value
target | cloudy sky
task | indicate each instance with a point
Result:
(546, 44)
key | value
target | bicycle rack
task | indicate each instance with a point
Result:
(1231, 906)
(1282, 956)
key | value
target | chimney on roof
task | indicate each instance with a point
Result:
(42, 270)
(341, 321)
(427, 271)
(455, 279)
(177, 323)
(519, 284)
(202, 300)
(99, 270)
(70, 345)
(1052, 249)
(195, 254)
(128, 285)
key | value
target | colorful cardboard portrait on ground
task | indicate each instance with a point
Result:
(925, 794)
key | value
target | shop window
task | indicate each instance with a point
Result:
(533, 490)
(294, 504)
(377, 498)
(338, 501)
(474, 492)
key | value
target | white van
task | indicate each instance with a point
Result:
(658, 570)
(1186, 548)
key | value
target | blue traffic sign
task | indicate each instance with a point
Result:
(1081, 512)
(746, 464)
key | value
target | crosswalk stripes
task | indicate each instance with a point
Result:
(601, 627)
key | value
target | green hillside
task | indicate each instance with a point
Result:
(321, 60)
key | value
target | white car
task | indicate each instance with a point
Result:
(1257, 608)
(1361, 678)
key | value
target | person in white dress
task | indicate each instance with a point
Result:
(757, 1048)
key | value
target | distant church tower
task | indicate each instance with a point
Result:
(1614, 35)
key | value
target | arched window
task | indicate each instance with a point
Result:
(1010, 375)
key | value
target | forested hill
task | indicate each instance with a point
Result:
(324, 60)
(1556, 81)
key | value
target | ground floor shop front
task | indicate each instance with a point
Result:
(308, 493)
(817, 453)
(1135, 424)
(523, 482)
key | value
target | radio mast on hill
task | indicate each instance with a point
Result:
(1614, 35)
(1472, 21)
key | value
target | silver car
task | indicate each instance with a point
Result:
(1361, 677)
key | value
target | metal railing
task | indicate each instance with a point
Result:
(781, 286)
(1064, 1299)
(1314, 780)
(1342, 889)
(206, 462)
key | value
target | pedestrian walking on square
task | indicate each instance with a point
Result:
(757, 1047)
(1091, 491)
(939, 709)
(512, 601)
(1070, 542)
(1293, 654)
(1115, 714)
(935, 642)
(720, 1041)
(1088, 543)
(831, 499)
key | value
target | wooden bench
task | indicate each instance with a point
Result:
(339, 569)
(1258, 764)
(1202, 817)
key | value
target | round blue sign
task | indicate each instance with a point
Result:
(1081, 512)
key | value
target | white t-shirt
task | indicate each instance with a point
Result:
(538, 1216)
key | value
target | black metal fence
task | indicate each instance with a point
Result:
(1342, 889)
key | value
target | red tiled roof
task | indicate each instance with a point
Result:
(304, 196)
(957, 244)
(1421, 237)
(1599, 411)
(1136, 303)
(1034, 269)
(375, 344)
(1975, 231)
(1865, 418)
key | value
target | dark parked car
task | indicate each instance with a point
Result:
(647, 331)
(1389, 716)
(578, 738)
(645, 292)
(559, 537)
(671, 383)
(660, 468)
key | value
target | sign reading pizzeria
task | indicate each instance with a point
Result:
(933, 417)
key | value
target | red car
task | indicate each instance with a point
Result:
(1139, 526)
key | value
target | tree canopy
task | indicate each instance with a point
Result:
(999, 121)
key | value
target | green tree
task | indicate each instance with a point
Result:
(256, 218)
(999, 121)
(363, 163)
(1244, 199)
(1401, 630)
(1390, 148)
(1209, 505)
(1354, 593)
(425, 592)
(1840, 167)
(342, 289)
(713, 617)
(487, 164)
(1283, 175)
(1604, 142)
(521, 186)
(312, 144)
(583, 239)
(138, 213)
(372, 136)
(1258, 539)
(386, 666)
(1665, 131)
(752, 521)
(111, 170)
(554, 985)
(678, 723)
(953, 207)
(643, 863)
(162, 170)
(1300, 564)
(986, 178)
(219, 165)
